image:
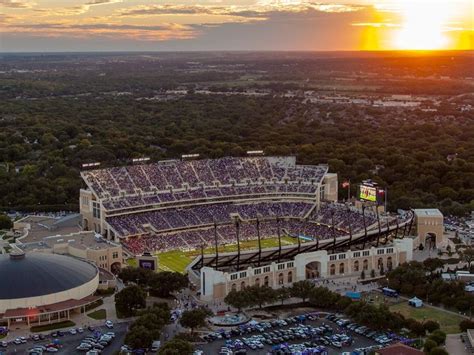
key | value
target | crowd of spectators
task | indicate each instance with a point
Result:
(181, 175)
(194, 227)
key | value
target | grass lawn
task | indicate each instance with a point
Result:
(99, 314)
(177, 260)
(43, 328)
(449, 322)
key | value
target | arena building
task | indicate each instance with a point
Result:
(41, 288)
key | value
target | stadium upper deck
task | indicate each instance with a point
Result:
(172, 180)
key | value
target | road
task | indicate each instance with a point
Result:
(70, 342)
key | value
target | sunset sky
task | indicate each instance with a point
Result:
(123, 25)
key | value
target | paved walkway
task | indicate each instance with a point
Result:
(454, 345)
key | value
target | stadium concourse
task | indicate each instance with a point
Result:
(188, 204)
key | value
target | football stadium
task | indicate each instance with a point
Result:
(191, 209)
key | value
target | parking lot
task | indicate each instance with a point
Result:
(309, 333)
(66, 343)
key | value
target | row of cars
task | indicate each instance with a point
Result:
(380, 337)
(258, 327)
(96, 343)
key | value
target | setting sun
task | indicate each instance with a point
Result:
(423, 24)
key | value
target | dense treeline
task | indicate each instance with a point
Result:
(44, 142)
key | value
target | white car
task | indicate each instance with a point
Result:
(80, 330)
(73, 331)
(109, 324)
(51, 349)
(17, 341)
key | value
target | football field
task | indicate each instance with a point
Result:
(178, 260)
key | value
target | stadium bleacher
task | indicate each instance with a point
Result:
(175, 204)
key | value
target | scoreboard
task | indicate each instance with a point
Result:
(370, 192)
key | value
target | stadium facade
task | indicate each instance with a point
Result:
(217, 283)
(40, 288)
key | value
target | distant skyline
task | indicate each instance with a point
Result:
(182, 25)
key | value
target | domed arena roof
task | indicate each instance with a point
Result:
(38, 274)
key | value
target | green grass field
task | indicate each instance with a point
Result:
(178, 260)
(99, 314)
(449, 322)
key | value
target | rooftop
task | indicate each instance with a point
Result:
(428, 212)
(81, 240)
(38, 274)
(44, 226)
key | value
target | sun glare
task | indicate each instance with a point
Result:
(423, 24)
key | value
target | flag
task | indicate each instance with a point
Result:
(346, 184)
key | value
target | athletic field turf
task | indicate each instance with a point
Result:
(177, 260)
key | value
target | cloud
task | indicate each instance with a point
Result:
(101, 2)
(166, 31)
(255, 11)
(15, 4)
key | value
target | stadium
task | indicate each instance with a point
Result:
(232, 203)
(45, 288)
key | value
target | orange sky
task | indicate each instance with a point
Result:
(82, 25)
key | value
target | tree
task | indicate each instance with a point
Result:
(260, 295)
(282, 294)
(195, 318)
(362, 275)
(130, 299)
(5, 222)
(302, 289)
(438, 336)
(431, 264)
(430, 326)
(162, 284)
(429, 345)
(466, 324)
(176, 347)
(237, 299)
(137, 275)
(417, 328)
(467, 255)
(323, 297)
(372, 273)
(140, 337)
(438, 351)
